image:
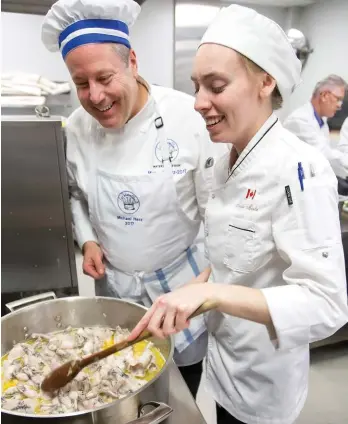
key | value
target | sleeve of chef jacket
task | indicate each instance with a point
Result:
(312, 305)
(305, 132)
(79, 208)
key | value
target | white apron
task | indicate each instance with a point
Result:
(146, 237)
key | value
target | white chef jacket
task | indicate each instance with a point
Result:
(263, 231)
(183, 125)
(102, 161)
(191, 140)
(303, 123)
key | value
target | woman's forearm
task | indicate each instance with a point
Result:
(243, 302)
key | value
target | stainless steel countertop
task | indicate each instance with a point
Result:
(182, 402)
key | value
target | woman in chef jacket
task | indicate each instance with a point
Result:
(272, 230)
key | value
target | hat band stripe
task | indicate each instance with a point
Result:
(93, 23)
(93, 31)
(91, 39)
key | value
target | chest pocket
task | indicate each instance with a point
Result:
(242, 246)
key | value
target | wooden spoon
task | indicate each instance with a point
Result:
(62, 375)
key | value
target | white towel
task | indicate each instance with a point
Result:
(31, 84)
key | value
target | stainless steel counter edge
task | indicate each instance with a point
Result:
(185, 409)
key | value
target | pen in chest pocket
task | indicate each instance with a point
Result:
(301, 175)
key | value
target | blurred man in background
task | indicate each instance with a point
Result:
(309, 122)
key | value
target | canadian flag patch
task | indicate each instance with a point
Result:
(250, 194)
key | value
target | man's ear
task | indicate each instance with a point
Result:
(133, 63)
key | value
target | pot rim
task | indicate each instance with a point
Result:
(107, 405)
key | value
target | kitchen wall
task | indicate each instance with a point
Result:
(152, 37)
(23, 51)
(324, 23)
(191, 20)
(326, 26)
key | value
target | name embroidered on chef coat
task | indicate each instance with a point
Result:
(249, 207)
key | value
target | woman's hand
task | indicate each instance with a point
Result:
(169, 313)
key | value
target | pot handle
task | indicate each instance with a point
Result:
(20, 303)
(160, 412)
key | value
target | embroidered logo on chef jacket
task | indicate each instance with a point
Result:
(250, 194)
(209, 162)
(173, 151)
(128, 202)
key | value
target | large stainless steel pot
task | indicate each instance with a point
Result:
(52, 315)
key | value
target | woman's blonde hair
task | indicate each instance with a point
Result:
(252, 68)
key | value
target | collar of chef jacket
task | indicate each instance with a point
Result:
(246, 156)
(318, 118)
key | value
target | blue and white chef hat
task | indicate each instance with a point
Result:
(259, 39)
(73, 23)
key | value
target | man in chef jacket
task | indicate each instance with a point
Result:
(139, 163)
(308, 122)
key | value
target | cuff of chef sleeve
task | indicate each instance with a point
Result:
(288, 307)
(83, 234)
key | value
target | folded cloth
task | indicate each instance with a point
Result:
(31, 84)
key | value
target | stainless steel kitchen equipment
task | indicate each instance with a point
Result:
(58, 105)
(51, 315)
(37, 243)
(300, 44)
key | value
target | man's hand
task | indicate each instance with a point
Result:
(93, 260)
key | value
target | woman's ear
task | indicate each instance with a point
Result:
(268, 84)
